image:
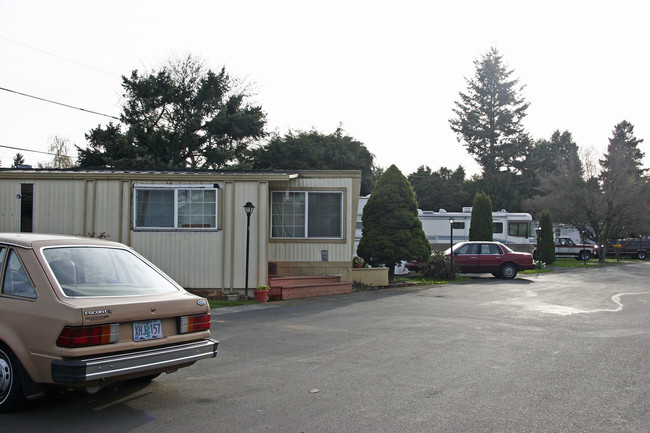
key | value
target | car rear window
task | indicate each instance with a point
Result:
(97, 271)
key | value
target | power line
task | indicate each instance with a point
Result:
(60, 57)
(59, 103)
(27, 150)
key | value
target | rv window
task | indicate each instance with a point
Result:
(520, 229)
(458, 226)
(497, 227)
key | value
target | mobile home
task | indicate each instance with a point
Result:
(192, 223)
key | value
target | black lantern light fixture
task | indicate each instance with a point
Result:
(248, 208)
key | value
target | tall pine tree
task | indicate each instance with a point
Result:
(488, 117)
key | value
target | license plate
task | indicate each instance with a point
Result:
(147, 330)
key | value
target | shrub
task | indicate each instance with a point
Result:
(438, 267)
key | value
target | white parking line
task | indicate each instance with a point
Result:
(565, 311)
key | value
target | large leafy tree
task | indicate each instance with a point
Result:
(481, 228)
(392, 231)
(316, 151)
(59, 147)
(182, 115)
(488, 117)
(604, 204)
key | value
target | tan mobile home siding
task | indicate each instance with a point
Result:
(82, 202)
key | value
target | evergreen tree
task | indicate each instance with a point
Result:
(316, 151)
(546, 242)
(392, 231)
(442, 189)
(481, 228)
(179, 116)
(546, 154)
(623, 157)
(624, 185)
(19, 159)
(488, 117)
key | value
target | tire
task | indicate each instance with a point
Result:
(508, 271)
(11, 388)
(584, 255)
(641, 255)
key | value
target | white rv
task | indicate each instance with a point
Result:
(512, 229)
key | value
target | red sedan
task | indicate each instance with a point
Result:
(490, 257)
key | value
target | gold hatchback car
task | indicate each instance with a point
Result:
(82, 312)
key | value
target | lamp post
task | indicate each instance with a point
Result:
(248, 208)
(538, 229)
(584, 255)
(451, 245)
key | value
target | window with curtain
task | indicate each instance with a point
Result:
(307, 214)
(521, 229)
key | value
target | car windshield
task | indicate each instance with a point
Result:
(98, 271)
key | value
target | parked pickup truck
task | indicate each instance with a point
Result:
(565, 247)
(632, 247)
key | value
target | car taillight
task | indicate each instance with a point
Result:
(74, 336)
(197, 323)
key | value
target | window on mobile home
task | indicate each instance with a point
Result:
(497, 227)
(307, 214)
(181, 207)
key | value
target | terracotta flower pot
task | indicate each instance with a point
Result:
(261, 295)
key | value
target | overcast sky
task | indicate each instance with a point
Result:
(388, 71)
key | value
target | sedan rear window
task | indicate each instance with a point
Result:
(96, 271)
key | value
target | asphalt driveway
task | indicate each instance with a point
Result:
(562, 352)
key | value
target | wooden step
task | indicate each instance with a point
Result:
(288, 280)
(306, 286)
(312, 290)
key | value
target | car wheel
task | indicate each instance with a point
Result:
(584, 255)
(641, 255)
(508, 271)
(11, 388)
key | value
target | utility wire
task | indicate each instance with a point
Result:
(60, 57)
(59, 103)
(28, 150)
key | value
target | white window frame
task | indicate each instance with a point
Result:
(175, 188)
(306, 214)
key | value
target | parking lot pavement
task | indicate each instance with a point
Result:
(559, 352)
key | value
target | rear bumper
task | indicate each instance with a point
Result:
(79, 371)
